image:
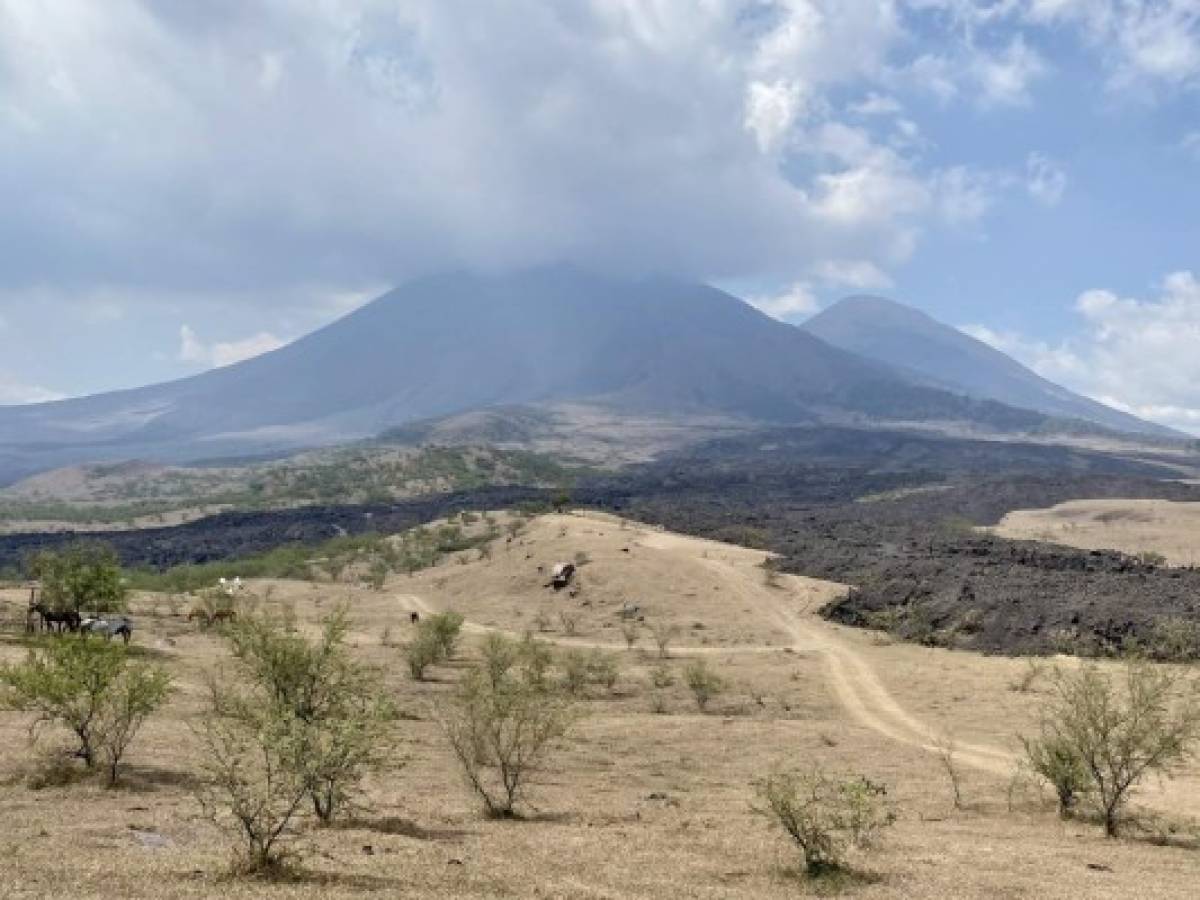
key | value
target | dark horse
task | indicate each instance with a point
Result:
(55, 619)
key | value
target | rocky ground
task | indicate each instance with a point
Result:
(891, 513)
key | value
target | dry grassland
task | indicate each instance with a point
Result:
(1166, 527)
(638, 803)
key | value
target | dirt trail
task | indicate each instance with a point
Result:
(851, 678)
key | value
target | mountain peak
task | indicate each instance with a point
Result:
(909, 339)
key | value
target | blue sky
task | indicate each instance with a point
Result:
(188, 184)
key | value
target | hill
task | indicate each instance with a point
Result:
(908, 339)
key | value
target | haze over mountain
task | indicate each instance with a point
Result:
(908, 339)
(459, 342)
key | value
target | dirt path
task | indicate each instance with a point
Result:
(851, 679)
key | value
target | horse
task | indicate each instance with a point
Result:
(56, 619)
(121, 625)
(208, 619)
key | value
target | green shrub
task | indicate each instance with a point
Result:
(1118, 731)
(574, 664)
(501, 722)
(826, 817)
(703, 682)
(91, 689)
(445, 628)
(335, 708)
(1057, 761)
(422, 652)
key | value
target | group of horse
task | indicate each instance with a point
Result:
(40, 617)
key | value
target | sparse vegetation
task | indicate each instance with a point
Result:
(947, 754)
(83, 575)
(664, 632)
(630, 632)
(434, 642)
(338, 707)
(825, 816)
(1116, 731)
(501, 723)
(770, 570)
(703, 682)
(92, 690)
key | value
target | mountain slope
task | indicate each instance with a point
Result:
(908, 339)
(458, 342)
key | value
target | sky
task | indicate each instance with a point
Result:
(185, 185)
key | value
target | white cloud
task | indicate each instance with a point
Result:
(14, 391)
(964, 195)
(1137, 355)
(771, 109)
(875, 104)
(856, 274)
(1045, 179)
(796, 301)
(1005, 76)
(223, 353)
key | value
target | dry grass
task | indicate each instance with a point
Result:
(638, 804)
(1167, 527)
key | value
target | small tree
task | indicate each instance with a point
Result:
(433, 643)
(338, 706)
(826, 817)
(252, 787)
(445, 628)
(1119, 731)
(703, 682)
(92, 690)
(501, 723)
(947, 753)
(664, 632)
(83, 574)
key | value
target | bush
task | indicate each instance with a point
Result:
(433, 643)
(333, 709)
(445, 628)
(574, 671)
(703, 682)
(661, 676)
(92, 690)
(664, 633)
(826, 817)
(1057, 762)
(502, 722)
(1117, 733)
(252, 786)
(1174, 639)
(603, 669)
